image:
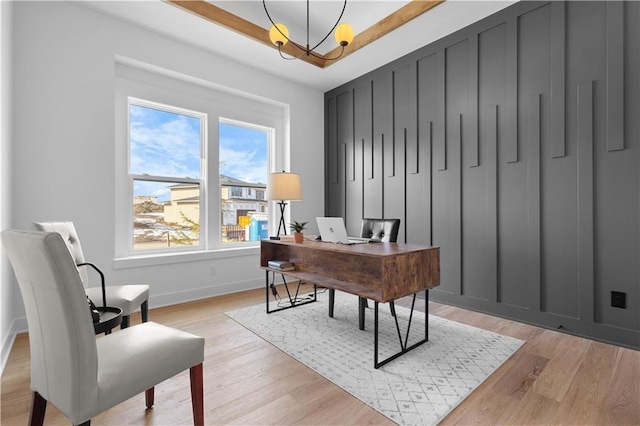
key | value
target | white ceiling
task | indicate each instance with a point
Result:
(169, 20)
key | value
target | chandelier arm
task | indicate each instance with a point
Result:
(344, 6)
(304, 52)
(264, 3)
(315, 55)
(308, 51)
(308, 28)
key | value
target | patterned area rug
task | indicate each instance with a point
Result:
(419, 388)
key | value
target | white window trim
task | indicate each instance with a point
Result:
(157, 85)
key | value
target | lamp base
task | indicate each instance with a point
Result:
(274, 238)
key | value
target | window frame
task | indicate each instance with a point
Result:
(133, 177)
(271, 138)
(142, 81)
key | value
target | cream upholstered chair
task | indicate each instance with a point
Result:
(78, 373)
(381, 230)
(125, 297)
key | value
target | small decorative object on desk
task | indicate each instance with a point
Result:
(283, 265)
(297, 228)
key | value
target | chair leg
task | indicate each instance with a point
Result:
(149, 397)
(125, 322)
(197, 394)
(38, 409)
(144, 311)
(332, 298)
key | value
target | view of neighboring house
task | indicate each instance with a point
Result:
(183, 205)
(239, 201)
(239, 198)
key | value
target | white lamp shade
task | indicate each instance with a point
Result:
(284, 186)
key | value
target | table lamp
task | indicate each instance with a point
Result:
(282, 187)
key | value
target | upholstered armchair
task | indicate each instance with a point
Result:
(80, 374)
(382, 230)
(126, 297)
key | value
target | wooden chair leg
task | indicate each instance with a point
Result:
(144, 311)
(149, 397)
(197, 394)
(38, 409)
(332, 298)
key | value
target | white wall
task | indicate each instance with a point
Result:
(63, 137)
(8, 291)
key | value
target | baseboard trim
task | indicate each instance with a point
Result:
(18, 325)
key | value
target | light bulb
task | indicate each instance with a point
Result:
(279, 34)
(344, 34)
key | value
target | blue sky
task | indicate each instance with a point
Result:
(168, 144)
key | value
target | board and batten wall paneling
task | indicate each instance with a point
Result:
(492, 97)
(419, 219)
(476, 244)
(617, 173)
(382, 133)
(363, 139)
(332, 176)
(344, 123)
(417, 175)
(354, 172)
(514, 145)
(446, 179)
(395, 149)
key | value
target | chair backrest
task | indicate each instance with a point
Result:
(64, 361)
(385, 230)
(70, 237)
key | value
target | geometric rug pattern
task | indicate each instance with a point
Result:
(419, 388)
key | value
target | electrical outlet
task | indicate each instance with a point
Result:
(619, 299)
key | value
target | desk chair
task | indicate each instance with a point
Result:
(383, 230)
(79, 374)
(126, 297)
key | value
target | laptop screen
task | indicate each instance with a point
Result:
(332, 229)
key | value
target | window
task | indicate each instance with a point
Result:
(192, 163)
(243, 155)
(165, 146)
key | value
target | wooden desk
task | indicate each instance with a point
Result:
(382, 272)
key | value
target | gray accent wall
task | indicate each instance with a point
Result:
(512, 144)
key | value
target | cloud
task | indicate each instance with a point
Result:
(164, 144)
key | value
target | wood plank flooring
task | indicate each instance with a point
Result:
(553, 379)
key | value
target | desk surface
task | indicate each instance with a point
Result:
(377, 271)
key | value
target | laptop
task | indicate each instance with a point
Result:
(332, 230)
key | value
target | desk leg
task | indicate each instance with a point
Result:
(293, 299)
(362, 304)
(403, 343)
(266, 288)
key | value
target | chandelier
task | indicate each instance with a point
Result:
(279, 35)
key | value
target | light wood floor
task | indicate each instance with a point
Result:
(553, 379)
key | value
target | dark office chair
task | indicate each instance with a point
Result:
(383, 230)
